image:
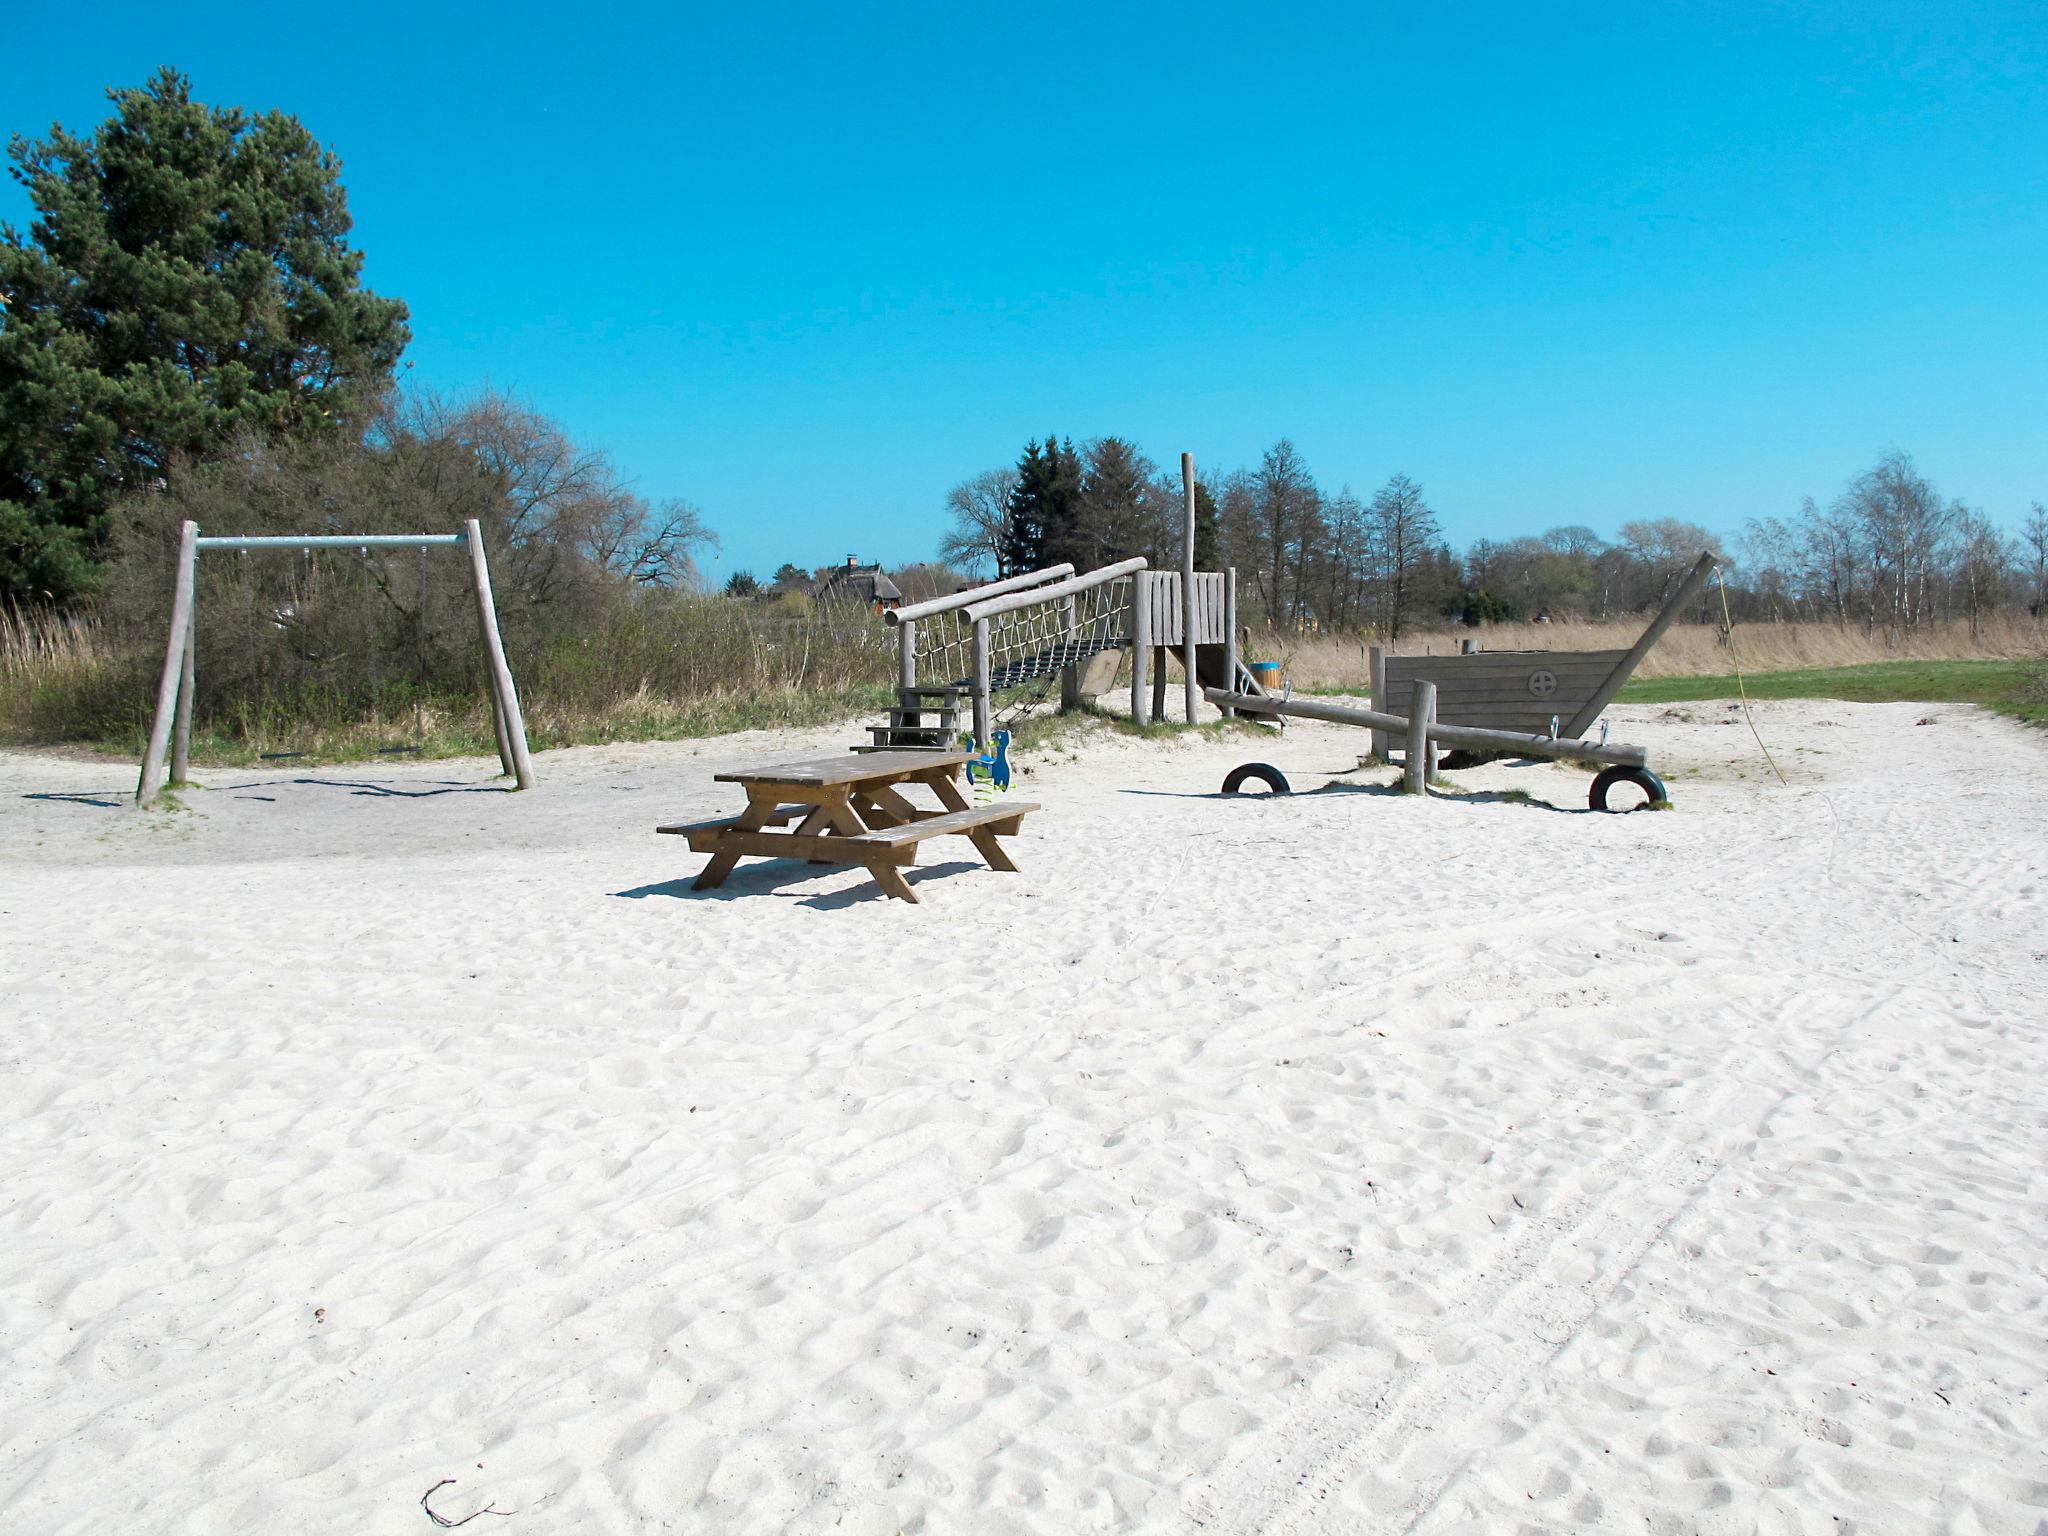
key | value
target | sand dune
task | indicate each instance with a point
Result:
(1332, 1163)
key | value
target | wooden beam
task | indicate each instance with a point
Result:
(1189, 629)
(982, 706)
(1141, 645)
(174, 665)
(1441, 733)
(181, 732)
(1376, 674)
(494, 653)
(1623, 669)
(1420, 767)
(1230, 636)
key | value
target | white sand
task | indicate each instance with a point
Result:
(1339, 1163)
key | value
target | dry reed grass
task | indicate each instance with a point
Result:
(1686, 650)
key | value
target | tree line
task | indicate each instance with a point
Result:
(1888, 552)
(186, 299)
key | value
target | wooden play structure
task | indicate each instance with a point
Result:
(1484, 705)
(1030, 628)
(1535, 693)
(172, 727)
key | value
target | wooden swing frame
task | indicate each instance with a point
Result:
(171, 729)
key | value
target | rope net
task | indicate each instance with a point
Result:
(1026, 645)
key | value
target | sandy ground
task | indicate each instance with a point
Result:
(1332, 1163)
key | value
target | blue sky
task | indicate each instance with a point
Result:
(808, 267)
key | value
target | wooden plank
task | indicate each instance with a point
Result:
(780, 816)
(1487, 664)
(1004, 819)
(823, 848)
(831, 772)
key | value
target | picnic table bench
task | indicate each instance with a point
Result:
(850, 810)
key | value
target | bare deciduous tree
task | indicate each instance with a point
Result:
(979, 510)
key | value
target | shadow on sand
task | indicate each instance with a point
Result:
(770, 877)
(1445, 791)
(98, 798)
(375, 791)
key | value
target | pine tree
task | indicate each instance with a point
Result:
(1023, 536)
(1066, 523)
(1045, 525)
(187, 279)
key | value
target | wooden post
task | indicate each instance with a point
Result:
(1420, 768)
(174, 665)
(981, 687)
(503, 736)
(1376, 679)
(1141, 644)
(494, 652)
(1187, 584)
(1230, 636)
(1070, 674)
(906, 654)
(181, 730)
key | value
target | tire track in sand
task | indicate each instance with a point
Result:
(1416, 1430)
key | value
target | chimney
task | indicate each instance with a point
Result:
(852, 562)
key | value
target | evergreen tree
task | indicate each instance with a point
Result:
(1045, 522)
(1208, 529)
(1023, 533)
(187, 278)
(1122, 504)
(1066, 519)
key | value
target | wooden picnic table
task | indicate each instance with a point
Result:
(851, 810)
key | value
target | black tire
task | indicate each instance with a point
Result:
(1265, 773)
(1642, 778)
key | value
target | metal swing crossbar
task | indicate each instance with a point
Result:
(332, 541)
(171, 728)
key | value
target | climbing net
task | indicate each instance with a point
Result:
(1029, 644)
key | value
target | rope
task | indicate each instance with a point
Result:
(1728, 623)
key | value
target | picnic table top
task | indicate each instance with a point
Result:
(851, 768)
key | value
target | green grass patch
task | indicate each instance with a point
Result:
(2015, 688)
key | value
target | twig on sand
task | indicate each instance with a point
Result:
(443, 1521)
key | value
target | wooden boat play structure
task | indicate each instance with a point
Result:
(1473, 703)
(1553, 693)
